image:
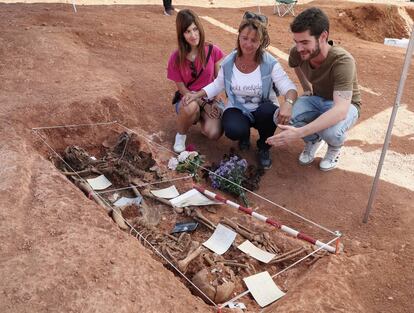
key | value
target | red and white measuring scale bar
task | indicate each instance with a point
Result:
(270, 221)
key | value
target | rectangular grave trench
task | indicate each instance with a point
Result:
(127, 159)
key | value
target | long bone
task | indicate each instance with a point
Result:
(183, 264)
(246, 234)
(196, 214)
(288, 255)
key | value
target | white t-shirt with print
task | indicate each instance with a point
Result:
(247, 88)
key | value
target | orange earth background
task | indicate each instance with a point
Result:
(60, 252)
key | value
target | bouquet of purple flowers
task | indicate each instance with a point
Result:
(230, 175)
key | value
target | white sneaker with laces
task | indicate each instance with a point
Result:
(179, 144)
(330, 159)
(308, 154)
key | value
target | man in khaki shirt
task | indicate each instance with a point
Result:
(330, 104)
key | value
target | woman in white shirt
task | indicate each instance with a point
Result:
(248, 75)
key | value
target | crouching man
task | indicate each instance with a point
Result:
(330, 104)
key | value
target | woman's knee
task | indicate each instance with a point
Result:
(211, 128)
(235, 132)
(190, 110)
(212, 133)
(235, 124)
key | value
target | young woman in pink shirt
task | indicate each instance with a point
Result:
(193, 66)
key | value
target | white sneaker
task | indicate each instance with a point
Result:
(179, 144)
(308, 154)
(330, 159)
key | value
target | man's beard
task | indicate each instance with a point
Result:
(315, 52)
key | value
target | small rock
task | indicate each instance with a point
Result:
(390, 298)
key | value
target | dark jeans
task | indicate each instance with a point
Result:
(167, 4)
(236, 125)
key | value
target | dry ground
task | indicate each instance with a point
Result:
(59, 252)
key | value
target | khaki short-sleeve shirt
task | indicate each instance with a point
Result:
(336, 73)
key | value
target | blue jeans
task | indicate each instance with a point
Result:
(236, 125)
(309, 108)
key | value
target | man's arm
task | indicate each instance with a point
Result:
(338, 112)
(306, 85)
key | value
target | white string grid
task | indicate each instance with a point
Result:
(147, 184)
(336, 233)
(245, 189)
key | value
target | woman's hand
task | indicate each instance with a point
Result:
(213, 110)
(285, 112)
(188, 98)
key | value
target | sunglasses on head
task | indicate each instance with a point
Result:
(193, 70)
(254, 16)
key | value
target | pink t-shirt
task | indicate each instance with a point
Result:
(183, 74)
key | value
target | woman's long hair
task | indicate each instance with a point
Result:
(184, 19)
(261, 32)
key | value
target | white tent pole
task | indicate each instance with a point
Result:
(400, 90)
(74, 6)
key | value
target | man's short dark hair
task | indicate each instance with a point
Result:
(312, 19)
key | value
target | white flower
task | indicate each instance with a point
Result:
(172, 163)
(192, 155)
(183, 156)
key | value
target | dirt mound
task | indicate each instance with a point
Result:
(373, 22)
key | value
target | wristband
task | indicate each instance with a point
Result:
(290, 101)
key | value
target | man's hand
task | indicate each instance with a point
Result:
(288, 134)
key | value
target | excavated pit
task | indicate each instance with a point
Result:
(128, 159)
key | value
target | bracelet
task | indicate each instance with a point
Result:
(202, 104)
(290, 101)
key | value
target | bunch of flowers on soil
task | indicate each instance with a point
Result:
(230, 175)
(187, 161)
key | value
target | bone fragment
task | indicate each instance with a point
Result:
(238, 229)
(117, 217)
(204, 223)
(234, 264)
(288, 255)
(90, 192)
(183, 264)
(148, 194)
(197, 214)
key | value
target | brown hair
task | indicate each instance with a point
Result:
(261, 32)
(184, 19)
